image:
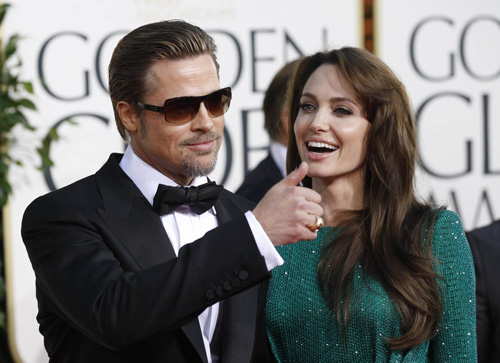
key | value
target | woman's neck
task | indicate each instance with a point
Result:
(337, 195)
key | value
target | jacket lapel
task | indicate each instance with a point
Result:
(125, 208)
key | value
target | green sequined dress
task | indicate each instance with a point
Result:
(302, 328)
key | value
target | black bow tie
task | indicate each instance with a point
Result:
(199, 199)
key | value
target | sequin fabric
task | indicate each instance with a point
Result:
(302, 328)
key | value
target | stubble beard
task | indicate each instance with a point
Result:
(192, 166)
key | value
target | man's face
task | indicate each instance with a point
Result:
(180, 152)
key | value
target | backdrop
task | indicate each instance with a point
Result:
(446, 52)
(448, 55)
(66, 49)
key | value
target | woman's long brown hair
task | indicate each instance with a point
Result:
(391, 236)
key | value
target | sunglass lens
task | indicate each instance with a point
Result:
(180, 110)
(218, 102)
(183, 109)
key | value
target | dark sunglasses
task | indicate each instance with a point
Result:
(181, 110)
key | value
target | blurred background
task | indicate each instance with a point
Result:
(447, 53)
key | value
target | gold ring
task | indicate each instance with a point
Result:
(318, 224)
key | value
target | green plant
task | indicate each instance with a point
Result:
(13, 102)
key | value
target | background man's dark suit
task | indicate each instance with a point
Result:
(485, 246)
(274, 105)
(260, 180)
(88, 254)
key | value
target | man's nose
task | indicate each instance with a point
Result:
(203, 120)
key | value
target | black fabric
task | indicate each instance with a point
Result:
(110, 287)
(485, 247)
(260, 180)
(199, 199)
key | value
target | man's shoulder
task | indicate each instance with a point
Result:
(78, 192)
(258, 181)
(266, 169)
(82, 190)
(486, 237)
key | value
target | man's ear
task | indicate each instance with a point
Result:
(128, 116)
(284, 121)
(283, 137)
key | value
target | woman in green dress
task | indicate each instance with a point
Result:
(389, 278)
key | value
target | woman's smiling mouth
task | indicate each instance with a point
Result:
(320, 147)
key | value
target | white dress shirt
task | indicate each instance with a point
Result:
(183, 226)
(278, 153)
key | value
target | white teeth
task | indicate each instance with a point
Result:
(321, 145)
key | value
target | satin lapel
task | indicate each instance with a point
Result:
(227, 209)
(139, 229)
(240, 314)
(239, 311)
(193, 332)
(131, 217)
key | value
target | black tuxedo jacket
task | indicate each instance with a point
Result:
(111, 289)
(260, 180)
(485, 246)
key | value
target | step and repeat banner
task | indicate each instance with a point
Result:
(65, 49)
(447, 53)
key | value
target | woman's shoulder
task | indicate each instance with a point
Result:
(448, 224)
(448, 219)
(448, 235)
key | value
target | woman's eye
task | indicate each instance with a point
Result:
(306, 106)
(343, 111)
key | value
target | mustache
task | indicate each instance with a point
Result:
(209, 136)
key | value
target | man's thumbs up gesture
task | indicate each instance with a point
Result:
(287, 210)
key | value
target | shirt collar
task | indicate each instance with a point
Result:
(147, 178)
(278, 153)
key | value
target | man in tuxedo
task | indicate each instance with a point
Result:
(273, 168)
(131, 266)
(485, 247)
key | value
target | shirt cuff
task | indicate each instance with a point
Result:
(264, 244)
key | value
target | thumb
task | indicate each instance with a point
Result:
(296, 176)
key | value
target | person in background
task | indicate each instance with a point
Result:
(273, 168)
(485, 246)
(148, 260)
(390, 278)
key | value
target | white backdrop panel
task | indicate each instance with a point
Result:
(447, 53)
(69, 43)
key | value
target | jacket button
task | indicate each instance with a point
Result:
(219, 291)
(210, 294)
(243, 275)
(235, 282)
(227, 286)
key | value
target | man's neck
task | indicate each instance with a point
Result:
(147, 178)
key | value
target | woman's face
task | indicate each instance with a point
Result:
(330, 127)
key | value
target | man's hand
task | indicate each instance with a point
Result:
(287, 209)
